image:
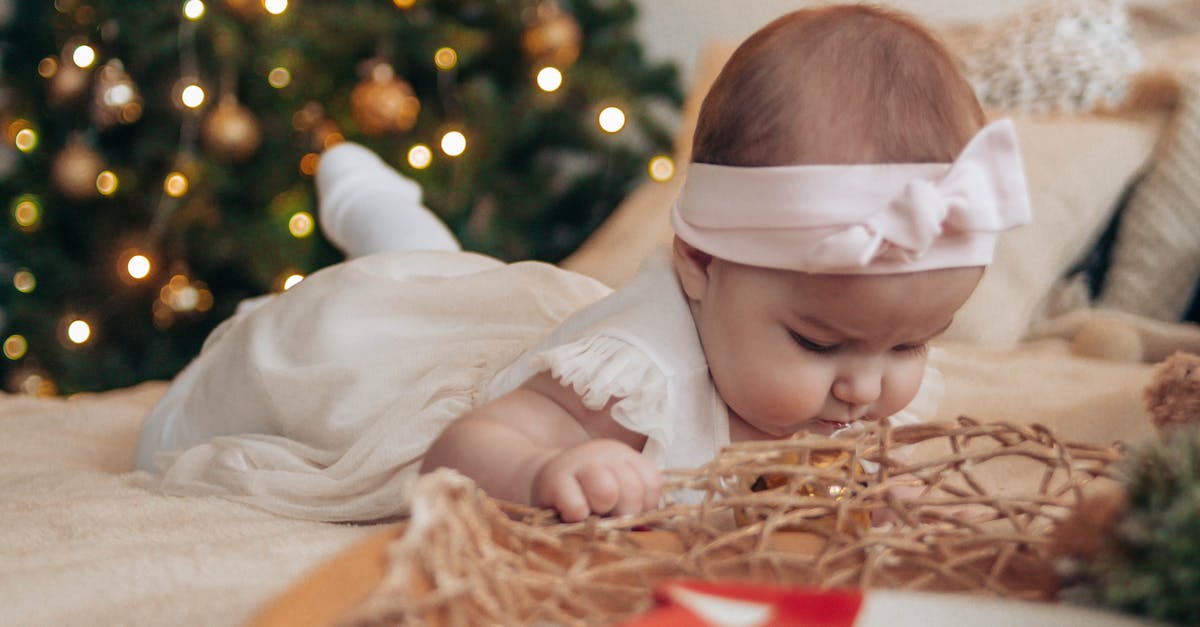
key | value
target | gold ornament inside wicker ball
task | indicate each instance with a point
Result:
(384, 103)
(553, 38)
(231, 131)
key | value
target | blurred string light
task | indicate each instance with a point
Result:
(291, 280)
(182, 295)
(420, 156)
(192, 96)
(27, 212)
(308, 163)
(611, 119)
(15, 346)
(83, 56)
(549, 79)
(445, 58)
(275, 7)
(47, 67)
(79, 331)
(25, 139)
(301, 224)
(454, 143)
(661, 168)
(176, 184)
(24, 281)
(107, 183)
(193, 9)
(279, 77)
(138, 266)
(404, 4)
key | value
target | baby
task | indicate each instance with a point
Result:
(843, 200)
(814, 277)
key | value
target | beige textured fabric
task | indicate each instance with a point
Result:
(83, 543)
(1078, 167)
(1156, 258)
(1064, 55)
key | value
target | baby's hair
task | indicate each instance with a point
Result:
(837, 85)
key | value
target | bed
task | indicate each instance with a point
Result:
(85, 540)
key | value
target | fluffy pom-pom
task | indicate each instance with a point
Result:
(1173, 396)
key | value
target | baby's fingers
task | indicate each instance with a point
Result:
(565, 494)
(601, 486)
(651, 481)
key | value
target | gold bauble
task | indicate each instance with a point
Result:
(384, 103)
(553, 37)
(68, 85)
(75, 170)
(231, 132)
(246, 9)
(116, 99)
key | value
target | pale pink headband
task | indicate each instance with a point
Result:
(859, 219)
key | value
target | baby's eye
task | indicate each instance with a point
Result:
(810, 345)
(912, 349)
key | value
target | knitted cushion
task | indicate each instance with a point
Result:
(1156, 257)
(1065, 55)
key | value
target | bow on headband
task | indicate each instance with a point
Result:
(859, 219)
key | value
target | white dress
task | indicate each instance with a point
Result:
(321, 403)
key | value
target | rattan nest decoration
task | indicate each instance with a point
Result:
(964, 506)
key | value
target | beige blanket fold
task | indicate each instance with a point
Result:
(82, 543)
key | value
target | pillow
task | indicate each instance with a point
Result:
(1079, 167)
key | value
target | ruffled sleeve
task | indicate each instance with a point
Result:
(601, 368)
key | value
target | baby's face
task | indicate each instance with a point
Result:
(790, 351)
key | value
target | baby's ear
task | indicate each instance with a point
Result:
(691, 264)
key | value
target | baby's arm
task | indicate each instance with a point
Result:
(539, 445)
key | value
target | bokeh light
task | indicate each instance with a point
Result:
(107, 183)
(420, 156)
(549, 79)
(192, 96)
(445, 58)
(612, 119)
(175, 185)
(193, 9)
(454, 143)
(24, 281)
(15, 346)
(301, 224)
(661, 168)
(138, 266)
(279, 77)
(84, 56)
(79, 331)
(292, 280)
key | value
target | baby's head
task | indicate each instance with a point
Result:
(822, 237)
(837, 85)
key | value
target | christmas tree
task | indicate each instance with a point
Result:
(158, 157)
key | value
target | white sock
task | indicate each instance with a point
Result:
(365, 206)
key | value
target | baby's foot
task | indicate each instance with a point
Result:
(365, 206)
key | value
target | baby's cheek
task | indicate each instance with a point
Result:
(902, 384)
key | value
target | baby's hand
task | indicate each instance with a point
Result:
(598, 476)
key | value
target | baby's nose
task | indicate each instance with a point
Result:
(857, 388)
